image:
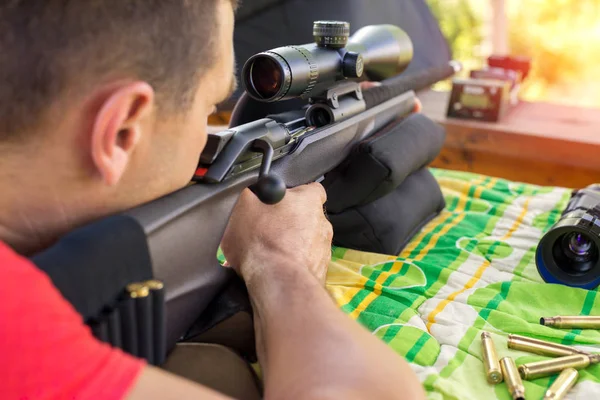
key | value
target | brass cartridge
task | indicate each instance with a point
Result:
(490, 359)
(545, 368)
(541, 347)
(561, 386)
(575, 322)
(511, 377)
(137, 290)
(154, 284)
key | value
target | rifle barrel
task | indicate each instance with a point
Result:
(403, 83)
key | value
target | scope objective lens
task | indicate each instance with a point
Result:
(266, 77)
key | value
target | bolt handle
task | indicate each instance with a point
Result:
(269, 188)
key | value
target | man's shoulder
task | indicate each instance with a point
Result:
(15, 267)
(27, 288)
(21, 275)
(45, 340)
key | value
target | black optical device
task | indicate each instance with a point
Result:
(569, 253)
(374, 52)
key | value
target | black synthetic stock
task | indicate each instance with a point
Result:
(184, 229)
(386, 225)
(383, 161)
(233, 300)
(403, 83)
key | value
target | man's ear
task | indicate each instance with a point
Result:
(118, 127)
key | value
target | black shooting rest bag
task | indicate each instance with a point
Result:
(383, 194)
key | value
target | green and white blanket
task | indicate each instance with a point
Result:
(471, 269)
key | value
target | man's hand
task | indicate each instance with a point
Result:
(292, 235)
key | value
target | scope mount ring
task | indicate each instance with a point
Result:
(332, 96)
(336, 104)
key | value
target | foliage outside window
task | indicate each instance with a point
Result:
(561, 36)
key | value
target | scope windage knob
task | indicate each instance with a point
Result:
(352, 65)
(332, 34)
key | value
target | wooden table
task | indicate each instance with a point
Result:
(539, 143)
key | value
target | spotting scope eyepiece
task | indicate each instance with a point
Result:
(569, 253)
(373, 53)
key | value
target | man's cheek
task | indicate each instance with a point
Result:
(194, 147)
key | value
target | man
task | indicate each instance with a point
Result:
(103, 106)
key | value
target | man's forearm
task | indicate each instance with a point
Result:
(309, 349)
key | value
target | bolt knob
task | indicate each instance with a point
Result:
(269, 189)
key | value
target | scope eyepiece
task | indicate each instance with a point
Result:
(569, 253)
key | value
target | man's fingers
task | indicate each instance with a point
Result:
(418, 105)
(368, 85)
(328, 231)
(320, 191)
(312, 189)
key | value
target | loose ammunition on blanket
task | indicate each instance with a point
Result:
(541, 347)
(565, 381)
(545, 368)
(511, 377)
(490, 359)
(575, 322)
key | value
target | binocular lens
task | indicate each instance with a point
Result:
(579, 244)
(266, 77)
(575, 253)
(569, 253)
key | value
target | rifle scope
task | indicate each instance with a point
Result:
(569, 253)
(374, 53)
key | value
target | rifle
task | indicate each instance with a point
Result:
(172, 242)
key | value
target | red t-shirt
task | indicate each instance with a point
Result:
(46, 351)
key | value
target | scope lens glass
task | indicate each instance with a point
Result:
(266, 77)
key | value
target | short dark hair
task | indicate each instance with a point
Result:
(47, 46)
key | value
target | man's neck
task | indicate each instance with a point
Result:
(29, 226)
(33, 213)
(23, 244)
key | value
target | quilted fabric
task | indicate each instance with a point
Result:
(470, 269)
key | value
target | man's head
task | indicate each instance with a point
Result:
(104, 103)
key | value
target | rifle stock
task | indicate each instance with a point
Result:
(184, 229)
